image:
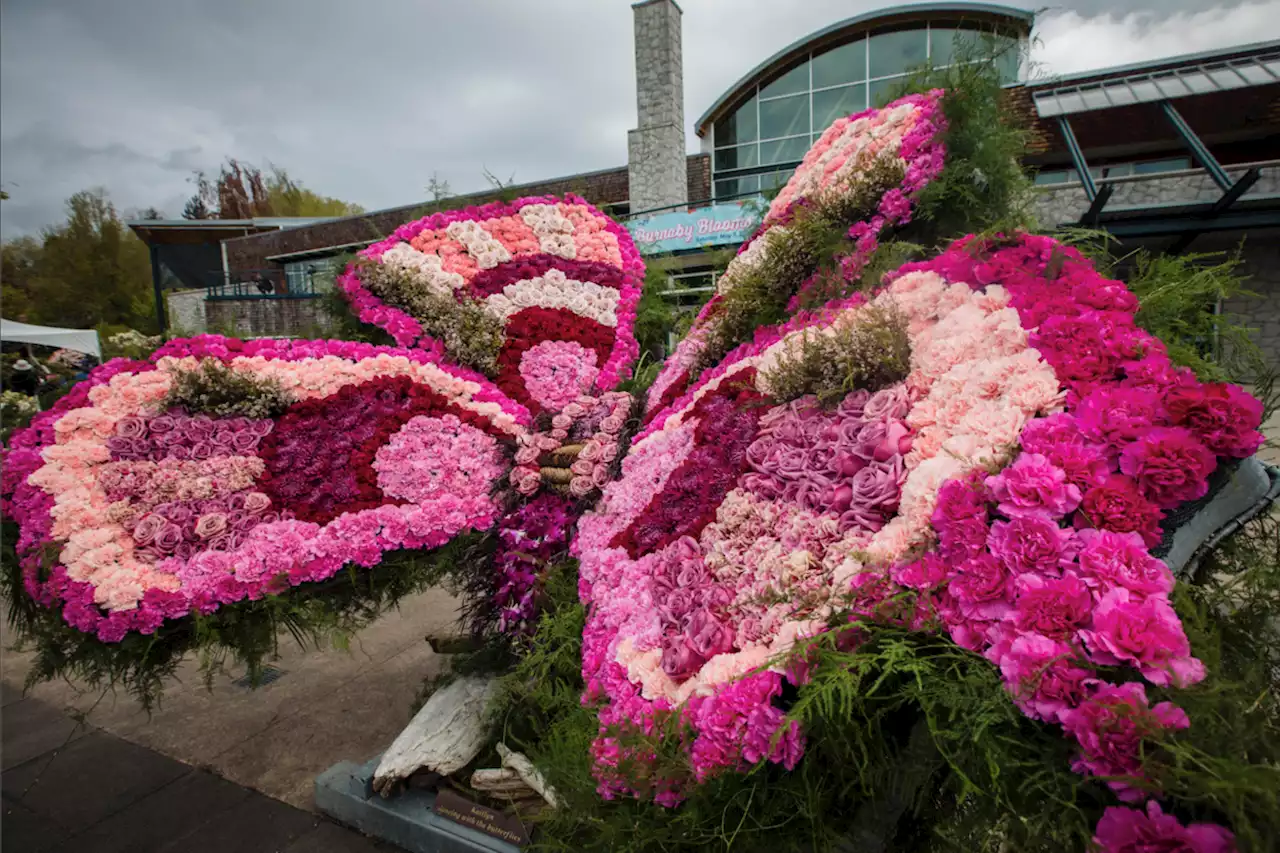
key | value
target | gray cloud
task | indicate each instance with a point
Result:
(367, 106)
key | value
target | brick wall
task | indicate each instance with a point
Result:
(600, 188)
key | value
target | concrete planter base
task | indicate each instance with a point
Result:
(344, 792)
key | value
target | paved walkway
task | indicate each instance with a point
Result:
(68, 786)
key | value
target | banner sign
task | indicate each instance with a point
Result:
(717, 225)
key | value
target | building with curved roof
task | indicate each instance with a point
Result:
(760, 128)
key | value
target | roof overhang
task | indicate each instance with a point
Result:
(988, 13)
(1198, 75)
(162, 232)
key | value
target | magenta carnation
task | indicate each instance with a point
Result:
(1170, 466)
(1118, 504)
(1032, 542)
(1109, 560)
(1032, 483)
(1144, 632)
(1123, 830)
(1040, 674)
(1110, 727)
(1223, 417)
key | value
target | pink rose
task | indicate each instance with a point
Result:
(256, 502)
(132, 427)
(1032, 482)
(169, 538)
(210, 525)
(679, 659)
(148, 528)
(1143, 632)
(162, 424)
(707, 635)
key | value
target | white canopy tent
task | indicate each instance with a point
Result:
(80, 340)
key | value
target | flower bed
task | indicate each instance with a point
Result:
(1009, 490)
(157, 514)
(557, 279)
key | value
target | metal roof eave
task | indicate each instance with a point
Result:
(1013, 13)
(1239, 72)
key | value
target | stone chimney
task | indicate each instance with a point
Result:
(655, 149)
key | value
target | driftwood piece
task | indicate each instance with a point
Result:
(517, 761)
(443, 736)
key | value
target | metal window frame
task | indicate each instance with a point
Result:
(866, 81)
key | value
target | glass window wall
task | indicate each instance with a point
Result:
(783, 117)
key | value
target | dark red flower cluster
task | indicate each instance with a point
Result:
(319, 458)
(728, 421)
(527, 328)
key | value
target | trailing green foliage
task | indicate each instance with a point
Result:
(914, 744)
(471, 335)
(870, 353)
(245, 634)
(655, 318)
(216, 390)
(815, 237)
(982, 185)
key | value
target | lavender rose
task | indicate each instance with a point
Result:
(169, 538)
(706, 634)
(162, 424)
(148, 528)
(131, 427)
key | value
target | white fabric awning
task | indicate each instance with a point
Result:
(80, 340)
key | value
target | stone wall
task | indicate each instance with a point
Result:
(1062, 204)
(186, 311)
(1261, 266)
(656, 162)
(267, 318)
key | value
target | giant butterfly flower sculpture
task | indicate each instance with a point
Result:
(987, 436)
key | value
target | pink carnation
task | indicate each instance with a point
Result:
(1109, 560)
(1110, 728)
(1123, 830)
(1118, 504)
(1145, 633)
(1032, 542)
(1223, 417)
(1032, 483)
(1054, 607)
(1040, 674)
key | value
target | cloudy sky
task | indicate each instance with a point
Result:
(366, 105)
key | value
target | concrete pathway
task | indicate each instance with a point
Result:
(328, 705)
(68, 786)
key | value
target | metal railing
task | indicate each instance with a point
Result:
(265, 284)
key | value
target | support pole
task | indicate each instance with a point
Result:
(1197, 146)
(161, 319)
(1077, 158)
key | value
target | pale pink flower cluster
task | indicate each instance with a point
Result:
(556, 290)
(431, 457)
(479, 243)
(553, 229)
(427, 270)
